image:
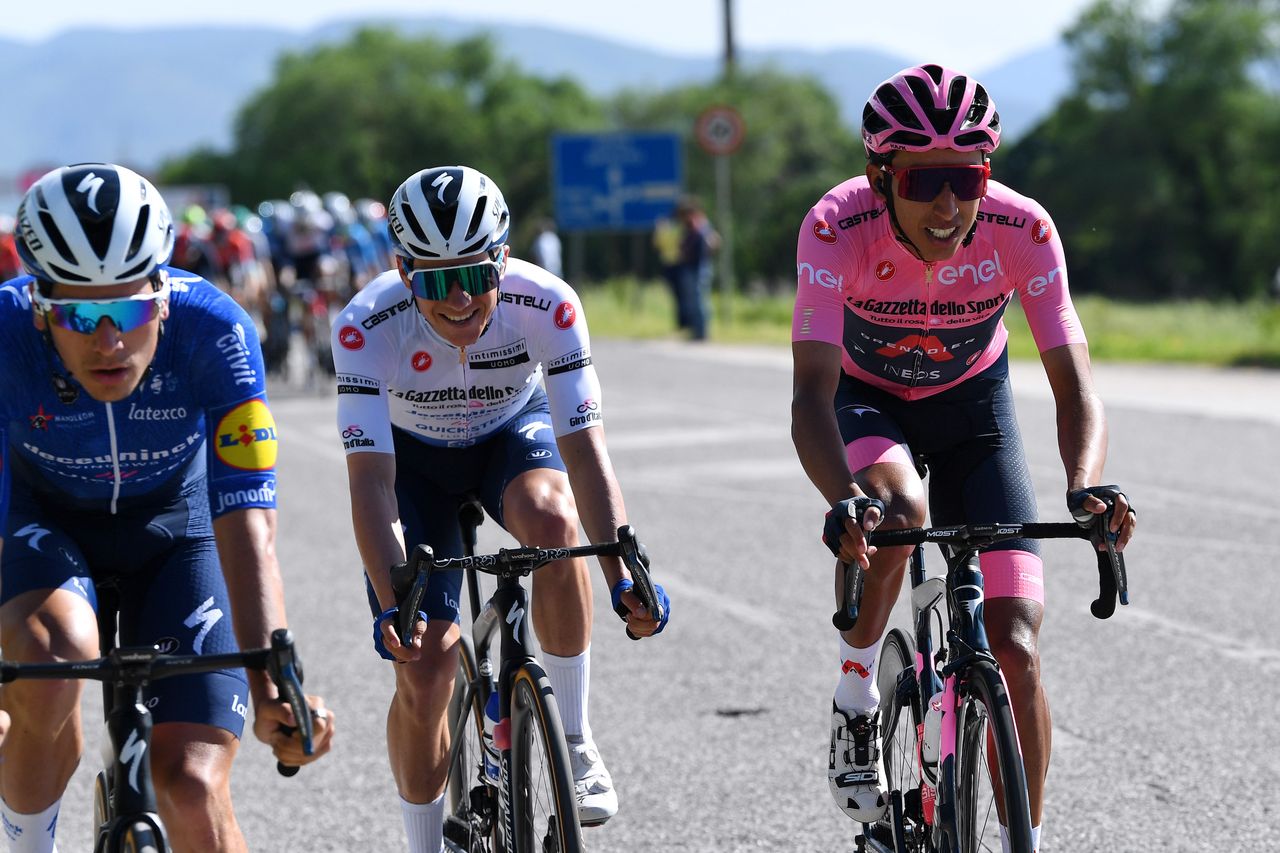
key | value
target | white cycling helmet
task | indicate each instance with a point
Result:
(93, 223)
(447, 212)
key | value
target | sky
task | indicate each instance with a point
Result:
(968, 36)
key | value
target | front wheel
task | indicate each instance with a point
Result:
(142, 837)
(472, 814)
(991, 783)
(544, 809)
(900, 752)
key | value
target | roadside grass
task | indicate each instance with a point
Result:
(1196, 332)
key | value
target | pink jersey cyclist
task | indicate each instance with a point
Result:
(913, 328)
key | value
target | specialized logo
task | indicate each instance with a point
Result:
(1041, 232)
(351, 338)
(514, 617)
(35, 531)
(885, 270)
(853, 666)
(540, 453)
(824, 232)
(168, 645)
(421, 361)
(90, 186)
(206, 616)
(41, 419)
(441, 183)
(566, 314)
(530, 431)
(246, 437)
(131, 754)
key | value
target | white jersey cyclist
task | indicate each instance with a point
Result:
(394, 369)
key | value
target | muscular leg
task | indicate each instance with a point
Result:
(417, 723)
(539, 510)
(191, 768)
(44, 743)
(1013, 627)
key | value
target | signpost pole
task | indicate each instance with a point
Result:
(724, 204)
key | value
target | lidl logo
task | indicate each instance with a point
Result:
(247, 437)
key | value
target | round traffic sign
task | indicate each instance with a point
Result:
(720, 129)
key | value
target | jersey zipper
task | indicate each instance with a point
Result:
(917, 362)
(115, 458)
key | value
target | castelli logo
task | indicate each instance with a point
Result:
(566, 314)
(885, 270)
(1041, 232)
(350, 337)
(823, 231)
(421, 360)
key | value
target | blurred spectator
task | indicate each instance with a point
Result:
(546, 248)
(10, 263)
(667, 236)
(698, 243)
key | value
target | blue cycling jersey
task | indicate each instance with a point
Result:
(200, 412)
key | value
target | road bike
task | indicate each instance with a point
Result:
(952, 761)
(510, 783)
(124, 801)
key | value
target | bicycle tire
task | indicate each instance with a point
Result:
(544, 811)
(899, 748)
(470, 822)
(986, 718)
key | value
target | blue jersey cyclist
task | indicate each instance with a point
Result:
(439, 366)
(140, 459)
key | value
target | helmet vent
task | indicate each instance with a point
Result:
(135, 272)
(893, 101)
(55, 237)
(67, 274)
(477, 216)
(139, 231)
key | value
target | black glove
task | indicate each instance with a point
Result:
(1107, 494)
(854, 508)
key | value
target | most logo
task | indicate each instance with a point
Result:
(246, 437)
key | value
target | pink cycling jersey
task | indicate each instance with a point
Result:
(913, 328)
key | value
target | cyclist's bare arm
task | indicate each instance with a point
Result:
(595, 490)
(816, 374)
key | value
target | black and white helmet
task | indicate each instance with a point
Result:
(447, 212)
(93, 223)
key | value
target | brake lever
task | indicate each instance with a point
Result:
(412, 601)
(285, 668)
(1113, 579)
(636, 558)
(847, 616)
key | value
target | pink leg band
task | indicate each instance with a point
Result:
(1013, 574)
(864, 452)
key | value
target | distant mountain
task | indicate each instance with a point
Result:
(141, 96)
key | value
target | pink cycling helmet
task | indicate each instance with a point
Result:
(929, 107)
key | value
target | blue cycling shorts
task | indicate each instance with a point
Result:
(161, 566)
(433, 482)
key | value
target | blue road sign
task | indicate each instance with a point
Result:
(615, 181)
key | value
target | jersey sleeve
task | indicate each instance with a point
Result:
(241, 431)
(1041, 266)
(4, 481)
(822, 257)
(362, 363)
(573, 388)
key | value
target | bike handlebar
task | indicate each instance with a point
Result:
(515, 562)
(139, 666)
(1113, 581)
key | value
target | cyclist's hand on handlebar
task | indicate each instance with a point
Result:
(275, 725)
(846, 523)
(1086, 504)
(640, 622)
(387, 641)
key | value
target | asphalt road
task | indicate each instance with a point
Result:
(1165, 727)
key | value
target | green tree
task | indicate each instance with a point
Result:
(1160, 167)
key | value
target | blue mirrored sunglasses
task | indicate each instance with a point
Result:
(126, 313)
(475, 279)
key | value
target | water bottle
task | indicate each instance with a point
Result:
(931, 745)
(492, 770)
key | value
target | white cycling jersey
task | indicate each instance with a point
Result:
(395, 370)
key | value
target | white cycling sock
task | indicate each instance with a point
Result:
(571, 682)
(856, 692)
(31, 833)
(1006, 847)
(424, 824)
